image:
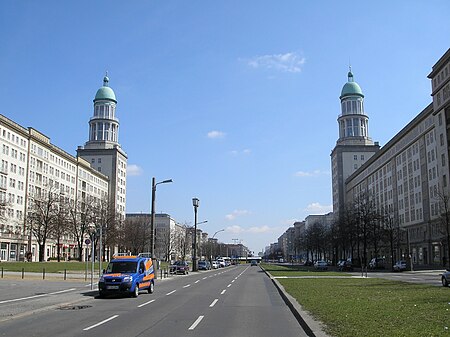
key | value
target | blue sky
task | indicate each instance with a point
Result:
(236, 101)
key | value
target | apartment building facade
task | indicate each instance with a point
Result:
(30, 165)
(409, 176)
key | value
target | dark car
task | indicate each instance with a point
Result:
(179, 267)
(345, 266)
(204, 265)
(254, 263)
(377, 263)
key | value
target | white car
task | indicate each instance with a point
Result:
(321, 265)
(400, 266)
(221, 263)
(215, 265)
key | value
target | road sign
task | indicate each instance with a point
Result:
(87, 241)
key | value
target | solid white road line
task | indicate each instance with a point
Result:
(61, 291)
(170, 293)
(35, 296)
(139, 306)
(194, 325)
(213, 303)
(100, 323)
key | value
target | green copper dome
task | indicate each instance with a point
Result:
(105, 92)
(351, 88)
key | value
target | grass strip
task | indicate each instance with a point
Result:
(374, 307)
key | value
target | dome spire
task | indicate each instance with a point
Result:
(350, 74)
(106, 80)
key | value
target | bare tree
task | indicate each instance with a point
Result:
(42, 215)
(81, 216)
(368, 222)
(61, 222)
(107, 223)
(444, 211)
(4, 204)
(135, 232)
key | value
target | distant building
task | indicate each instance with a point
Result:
(170, 236)
(323, 219)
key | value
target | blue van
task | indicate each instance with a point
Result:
(127, 274)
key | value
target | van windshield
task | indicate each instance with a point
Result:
(121, 267)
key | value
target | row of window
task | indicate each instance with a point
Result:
(13, 138)
(353, 106)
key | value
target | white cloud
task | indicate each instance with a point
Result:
(239, 152)
(289, 62)
(316, 208)
(134, 170)
(252, 230)
(236, 213)
(314, 173)
(216, 134)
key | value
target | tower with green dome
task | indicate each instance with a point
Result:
(103, 150)
(354, 145)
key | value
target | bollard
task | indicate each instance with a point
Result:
(65, 274)
(23, 272)
(2, 272)
(161, 274)
(43, 273)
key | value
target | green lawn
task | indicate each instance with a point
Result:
(372, 307)
(50, 267)
(53, 266)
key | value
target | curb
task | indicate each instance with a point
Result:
(312, 327)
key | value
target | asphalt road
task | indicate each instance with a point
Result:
(237, 301)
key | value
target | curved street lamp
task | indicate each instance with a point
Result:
(210, 247)
(152, 221)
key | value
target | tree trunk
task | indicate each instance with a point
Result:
(41, 252)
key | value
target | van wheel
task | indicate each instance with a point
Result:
(444, 282)
(151, 288)
(136, 290)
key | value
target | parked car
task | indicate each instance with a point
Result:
(215, 265)
(221, 263)
(179, 267)
(377, 263)
(321, 265)
(345, 265)
(400, 266)
(446, 278)
(204, 265)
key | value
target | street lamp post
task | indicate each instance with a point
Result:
(210, 248)
(195, 202)
(152, 221)
(92, 236)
